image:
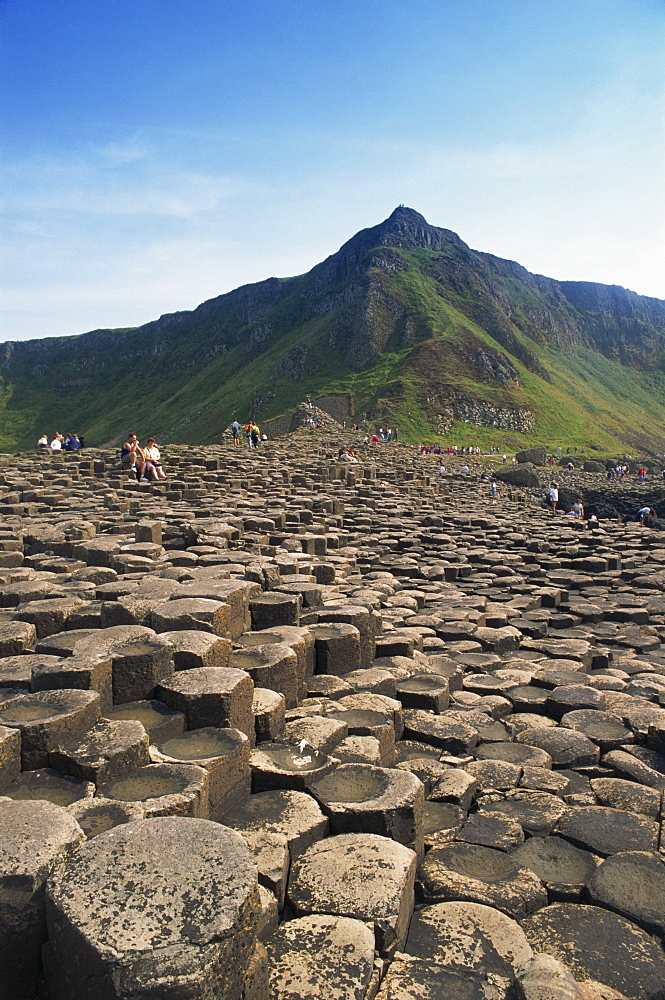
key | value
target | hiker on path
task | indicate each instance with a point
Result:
(235, 430)
(554, 496)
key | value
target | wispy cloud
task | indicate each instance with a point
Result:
(128, 178)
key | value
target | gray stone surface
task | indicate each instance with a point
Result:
(480, 875)
(599, 945)
(166, 907)
(358, 875)
(34, 837)
(633, 884)
(321, 955)
(469, 936)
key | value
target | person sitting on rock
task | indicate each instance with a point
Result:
(72, 442)
(42, 444)
(578, 509)
(153, 461)
(56, 443)
(131, 456)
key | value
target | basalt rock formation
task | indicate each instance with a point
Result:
(405, 318)
(283, 726)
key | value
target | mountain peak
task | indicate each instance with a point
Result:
(407, 228)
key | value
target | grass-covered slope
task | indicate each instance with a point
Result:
(421, 330)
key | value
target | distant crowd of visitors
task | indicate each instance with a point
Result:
(61, 442)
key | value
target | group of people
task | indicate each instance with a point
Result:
(252, 433)
(576, 511)
(61, 442)
(146, 462)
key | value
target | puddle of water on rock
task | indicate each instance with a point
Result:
(352, 786)
(289, 759)
(197, 746)
(27, 713)
(139, 787)
(52, 793)
(148, 716)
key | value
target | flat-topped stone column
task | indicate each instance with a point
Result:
(162, 908)
(48, 717)
(271, 665)
(34, 836)
(212, 696)
(223, 753)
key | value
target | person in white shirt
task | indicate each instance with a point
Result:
(153, 463)
(554, 496)
(56, 443)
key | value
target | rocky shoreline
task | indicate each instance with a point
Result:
(284, 727)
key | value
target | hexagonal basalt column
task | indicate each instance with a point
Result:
(164, 907)
(107, 751)
(195, 613)
(367, 622)
(224, 753)
(47, 718)
(361, 798)
(272, 665)
(34, 836)
(212, 696)
(337, 649)
(164, 789)
(358, 875)
(279, 765)
(138, 666)
(364, 722)
(275, 609)
(90, 672)
(424, 691)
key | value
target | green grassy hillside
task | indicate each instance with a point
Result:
(421, 331)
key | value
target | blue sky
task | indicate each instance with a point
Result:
(158, 153)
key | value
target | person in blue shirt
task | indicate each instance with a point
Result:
(72, 442)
